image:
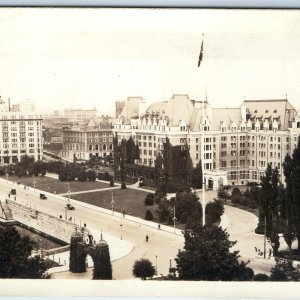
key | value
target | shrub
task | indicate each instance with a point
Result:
(260, 277)
(148, 215)
(123, 186)
(111, 183)
(82, 176)
(252, 204)
(91, 175)
(143, 268)
(149, 200)
(214, 210)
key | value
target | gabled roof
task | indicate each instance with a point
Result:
(273, 108)
(131, 109)
(178, 108)
(228, 115)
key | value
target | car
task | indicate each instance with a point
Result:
(43, 196)
(70, 206)
(13, 191)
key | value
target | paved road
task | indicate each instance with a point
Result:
(240, 225)
(161, 243)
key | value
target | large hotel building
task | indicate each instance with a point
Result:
(234, 144)
(21, 132)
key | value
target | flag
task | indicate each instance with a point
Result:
(200, 55)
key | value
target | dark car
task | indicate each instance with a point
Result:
(43, 196)
(70, 206)
(13, 192)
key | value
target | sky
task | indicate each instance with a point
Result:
(84, 58)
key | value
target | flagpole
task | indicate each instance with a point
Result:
(202, 137)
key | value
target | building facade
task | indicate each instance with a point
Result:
(21, 134)
(80, 116)
(93, 139)
(239, 142)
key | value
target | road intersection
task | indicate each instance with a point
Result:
(120, 232)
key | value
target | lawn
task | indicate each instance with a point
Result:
(50, 184)
(129, 200)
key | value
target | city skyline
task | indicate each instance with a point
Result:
(69, 58)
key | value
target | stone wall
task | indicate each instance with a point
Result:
(43, 222)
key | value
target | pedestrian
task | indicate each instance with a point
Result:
(15, 198)
(270, 253)
(8, 195)
(60, 216)
(147, 238)
(158, 226)
(255, 249)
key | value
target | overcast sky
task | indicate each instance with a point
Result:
(83, 58)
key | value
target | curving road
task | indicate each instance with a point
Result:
(161, 246)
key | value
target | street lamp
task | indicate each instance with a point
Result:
(112, 203)
(121, 225)
(7, 177)
(170, 258)
(156, 264)
(34, 182)
(174, 217)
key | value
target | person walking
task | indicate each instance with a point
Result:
(147, 238)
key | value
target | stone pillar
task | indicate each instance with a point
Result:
(77, 254)
(102, 264)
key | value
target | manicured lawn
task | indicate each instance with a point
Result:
(128, 200)
(50, 184)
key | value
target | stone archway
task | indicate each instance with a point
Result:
(80, 247)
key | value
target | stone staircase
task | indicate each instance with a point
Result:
(5, 211)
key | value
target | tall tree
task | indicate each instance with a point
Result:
(15, 259)
(207, 256)
(269, 205)
(196, 178)
(291, 207)
(143, 269)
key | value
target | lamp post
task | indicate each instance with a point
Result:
(156, 264)
(174, 219)
(34, 182)
(7, 177)
(121, 225)
(170, 259)
(66, 214)
(265, 237)
(112, 203)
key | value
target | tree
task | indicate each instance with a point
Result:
(15, 260)
(149, 200)
(291, 201)
(82, 176)
(269, 205)
(143, 269)
(207, 256)
(91, 175)
(213, 211)
(223, 193)
(284, 270)
(236, 195)
(148, 215)
(196, 179)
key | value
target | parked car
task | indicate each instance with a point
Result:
(13, 192)
(43, 196)
(70, 206)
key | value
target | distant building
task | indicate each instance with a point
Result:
(23, 106)
(94, 139)
(80, 116)
(238, 143)
(119, 107)
(21, 133)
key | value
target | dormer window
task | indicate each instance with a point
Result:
(255, 111)
(267, 111)
(275, 111)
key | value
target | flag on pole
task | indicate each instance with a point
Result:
(200, 55)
